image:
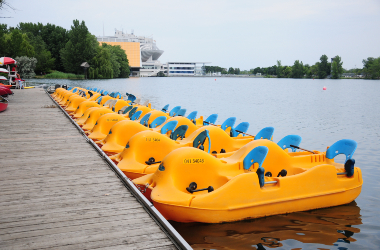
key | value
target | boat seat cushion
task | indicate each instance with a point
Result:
(157, 122)
(229, 123)
(290, 140)
(211, 119)
(345, 146)
(179, 132)
(265, 133)
(170, 126)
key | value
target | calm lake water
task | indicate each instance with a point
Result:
(348, 109)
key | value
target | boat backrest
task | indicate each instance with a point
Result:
(265, 133)
(200, 139)
(174, 111)
(211, 119)
(136, 115)
(157, 122)
(256, 155)
(100, 99)
(290, 140)
(146, 103)
(165, 108)
(125, 109)
(345, 146)
(192, 116)
(144, 120)
(181, 112)
(179, 132)
(131, 98)
(107, 102)
(170, 126)
(229, 123)
(241, 127)
(132, 112)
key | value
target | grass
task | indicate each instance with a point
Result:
(61, 75)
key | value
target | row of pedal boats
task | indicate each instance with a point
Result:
(194, 170)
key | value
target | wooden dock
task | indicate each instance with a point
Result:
(56, 190)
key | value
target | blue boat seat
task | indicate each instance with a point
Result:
(179, 132)
(192, 116)
(105, 93)
(157, 122)
(75, 90)
(170, 126)
(174, 111)
(125, 109)
(257, 155)
(132, 112)
(242, 127)
(290, 140)
(100, 99)
(229, 123)
(117, 94)
(165, 108)
(200, 139)
(210, 120)
(181, 112)
(131, 98)
(136, 115)
(345, 146)
(265, 133)
(144, 120)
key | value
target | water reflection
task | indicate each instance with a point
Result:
(322, 226)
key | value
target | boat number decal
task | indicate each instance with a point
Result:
(194, 161)
(112, 120)
(152, 139)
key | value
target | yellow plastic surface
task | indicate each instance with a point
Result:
(312, 182)
(148, 144)
(104, 125)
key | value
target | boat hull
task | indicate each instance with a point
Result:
(190, 214)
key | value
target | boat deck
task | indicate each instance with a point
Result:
(57, 192)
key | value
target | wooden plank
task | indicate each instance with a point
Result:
(57, 192)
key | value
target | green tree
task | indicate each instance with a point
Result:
(101, 66)
(45, 62)
(287, 71)
(297, 69)
(3, 31)
(371, 69)
(119, 60)
(26, 66)
(17, 44)
(236, 71)
(336, 67)
(55, 38)
(323, 67)
(279, 70)
(231, 71)
(81, 47)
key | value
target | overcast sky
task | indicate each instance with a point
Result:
(237, 33)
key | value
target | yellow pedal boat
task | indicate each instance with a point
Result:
(193, 186)
(147, 149)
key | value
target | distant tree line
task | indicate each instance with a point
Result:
(321, 69)
(56, 48)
